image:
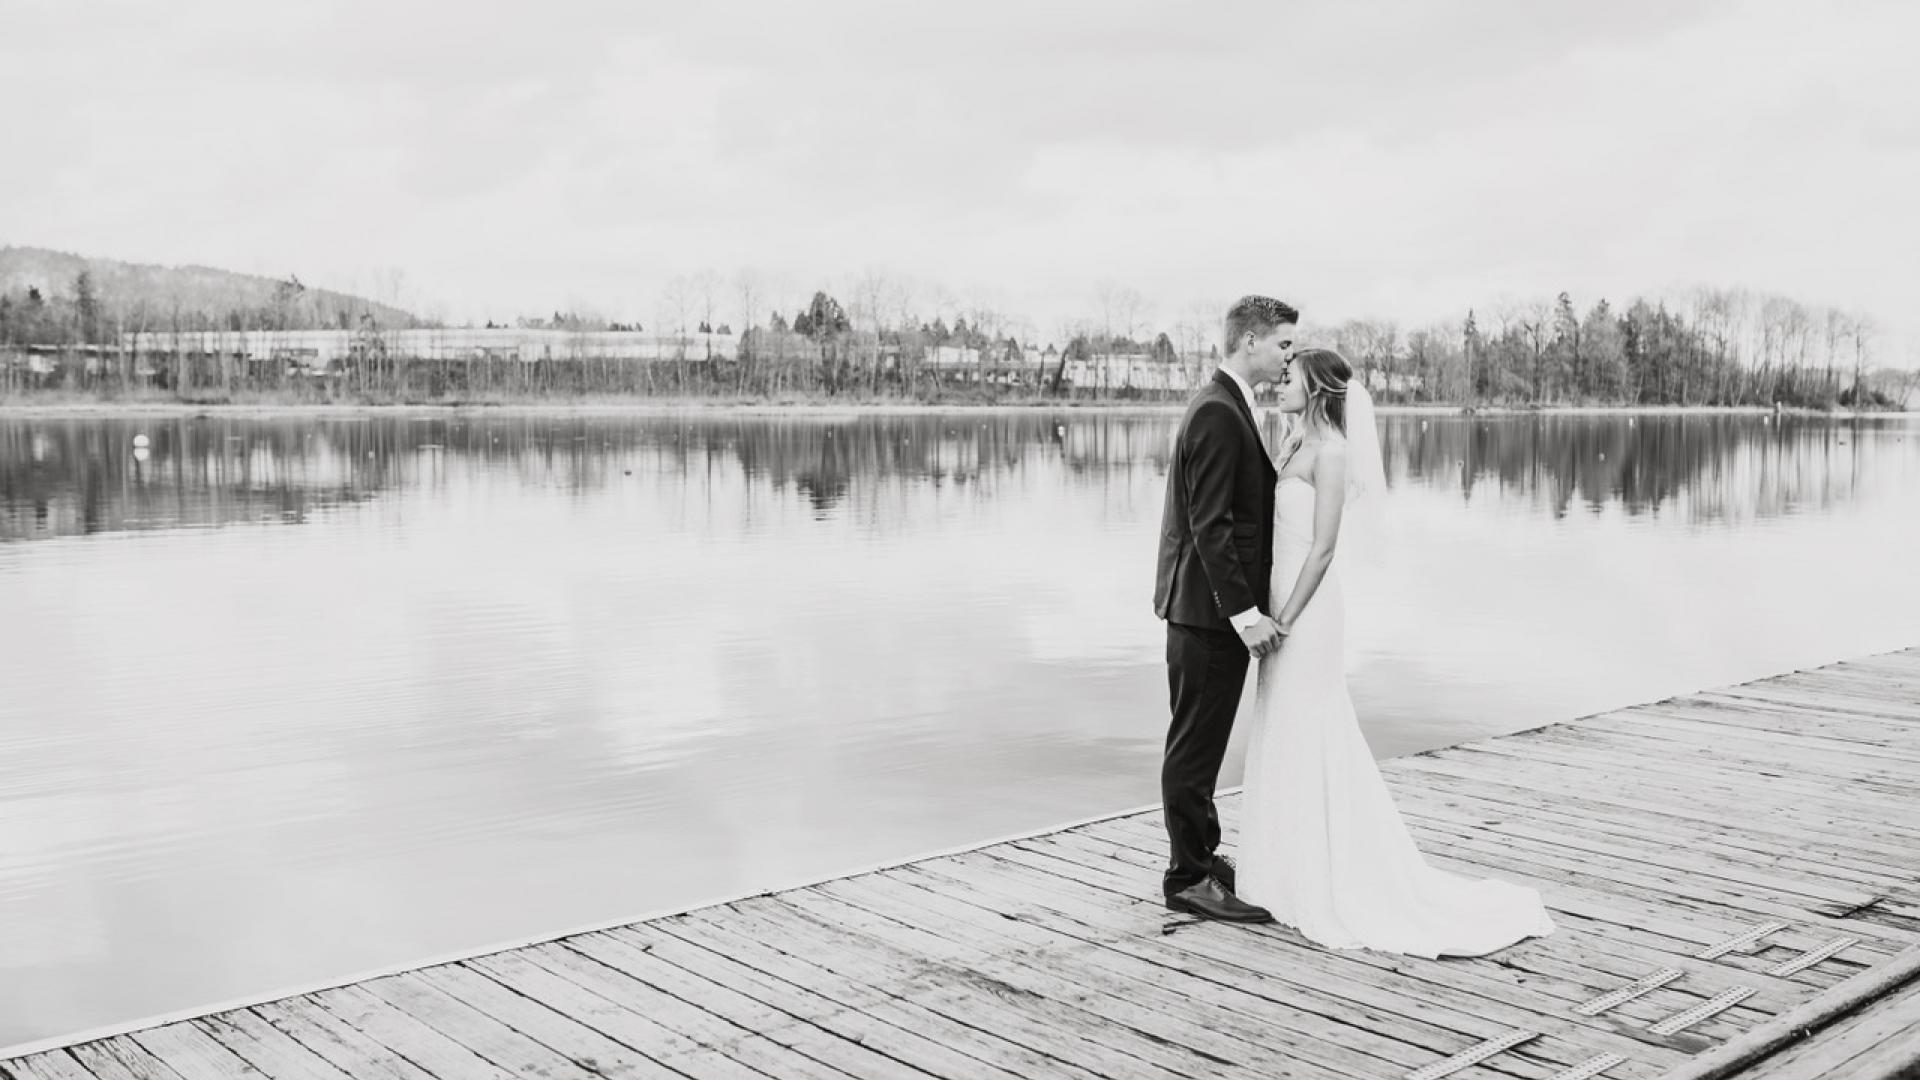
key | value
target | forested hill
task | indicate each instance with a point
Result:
(131, 295)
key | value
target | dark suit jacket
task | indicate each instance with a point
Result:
(1216, 533)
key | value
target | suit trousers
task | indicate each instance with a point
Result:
(1206, 669)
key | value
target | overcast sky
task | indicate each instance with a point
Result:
(1404, 159)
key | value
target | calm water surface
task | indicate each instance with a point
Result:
(286, 699)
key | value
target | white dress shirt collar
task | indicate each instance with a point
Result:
(1246, 391)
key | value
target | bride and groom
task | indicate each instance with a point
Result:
(1246, 576)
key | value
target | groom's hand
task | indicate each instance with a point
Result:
(1262, 637)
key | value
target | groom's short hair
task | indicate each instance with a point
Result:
(1259, 314)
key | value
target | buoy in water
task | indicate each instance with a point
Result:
(139, 441)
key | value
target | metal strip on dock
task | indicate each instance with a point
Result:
(1813, 956)
(1472, 1055)
(1589, 1068)
(1714, 952)
(1628, 992)
(1713, 1006)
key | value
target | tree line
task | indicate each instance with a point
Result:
(1717, 347)
(1711, 347)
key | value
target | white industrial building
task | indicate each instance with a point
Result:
(1127, 371)
(323, 348)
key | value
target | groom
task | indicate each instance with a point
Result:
(1216, 569)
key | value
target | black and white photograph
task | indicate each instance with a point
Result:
(836, 540)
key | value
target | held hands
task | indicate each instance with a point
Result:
(1263, 638)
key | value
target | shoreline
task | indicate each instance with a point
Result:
(24, 409)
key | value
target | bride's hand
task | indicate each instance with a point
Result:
(1261, 638)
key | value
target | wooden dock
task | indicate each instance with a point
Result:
(1781, 816)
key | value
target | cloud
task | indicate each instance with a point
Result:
(1407, 159)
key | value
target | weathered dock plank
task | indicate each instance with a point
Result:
(1860, 1029)
(344, 1047)
(1875, 1043)
(1783, 807)
(56, 1065)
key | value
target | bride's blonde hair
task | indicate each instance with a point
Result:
(1326, 374)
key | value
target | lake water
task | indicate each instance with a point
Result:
(283, 699)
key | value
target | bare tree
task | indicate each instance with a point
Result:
(1106, 303)
(1905, 385)
(142, 320)
(1133, 312)
(671, 318)
(1535, 320)
(1385, 353)
(1832, 324)
(747, 289)
(182, 376)
(1370, 345)
(705, 288)
(1120, 309)
(1437, 361)
(1716, 314)
(868, 297)
(1863, 331)
(1191, 335)
(749, 294)
(901, 315)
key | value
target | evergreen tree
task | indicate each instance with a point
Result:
(1566, 367)
(1470, 347)
(87, 307)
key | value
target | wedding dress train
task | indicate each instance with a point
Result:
(1322, 845)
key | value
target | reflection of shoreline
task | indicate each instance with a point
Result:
(80, 473)
(658, 407)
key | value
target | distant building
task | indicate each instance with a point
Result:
(952, 356)
(322, 349)
(1134, 370)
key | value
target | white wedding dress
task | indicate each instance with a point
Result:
(1322, 845)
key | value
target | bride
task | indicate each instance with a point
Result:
(1322, 845)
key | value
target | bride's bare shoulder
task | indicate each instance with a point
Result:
(1330, 463)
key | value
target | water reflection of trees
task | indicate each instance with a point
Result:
(63, 477)
(1706, 468)
(75, 477)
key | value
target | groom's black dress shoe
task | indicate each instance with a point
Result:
(1211, 900)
